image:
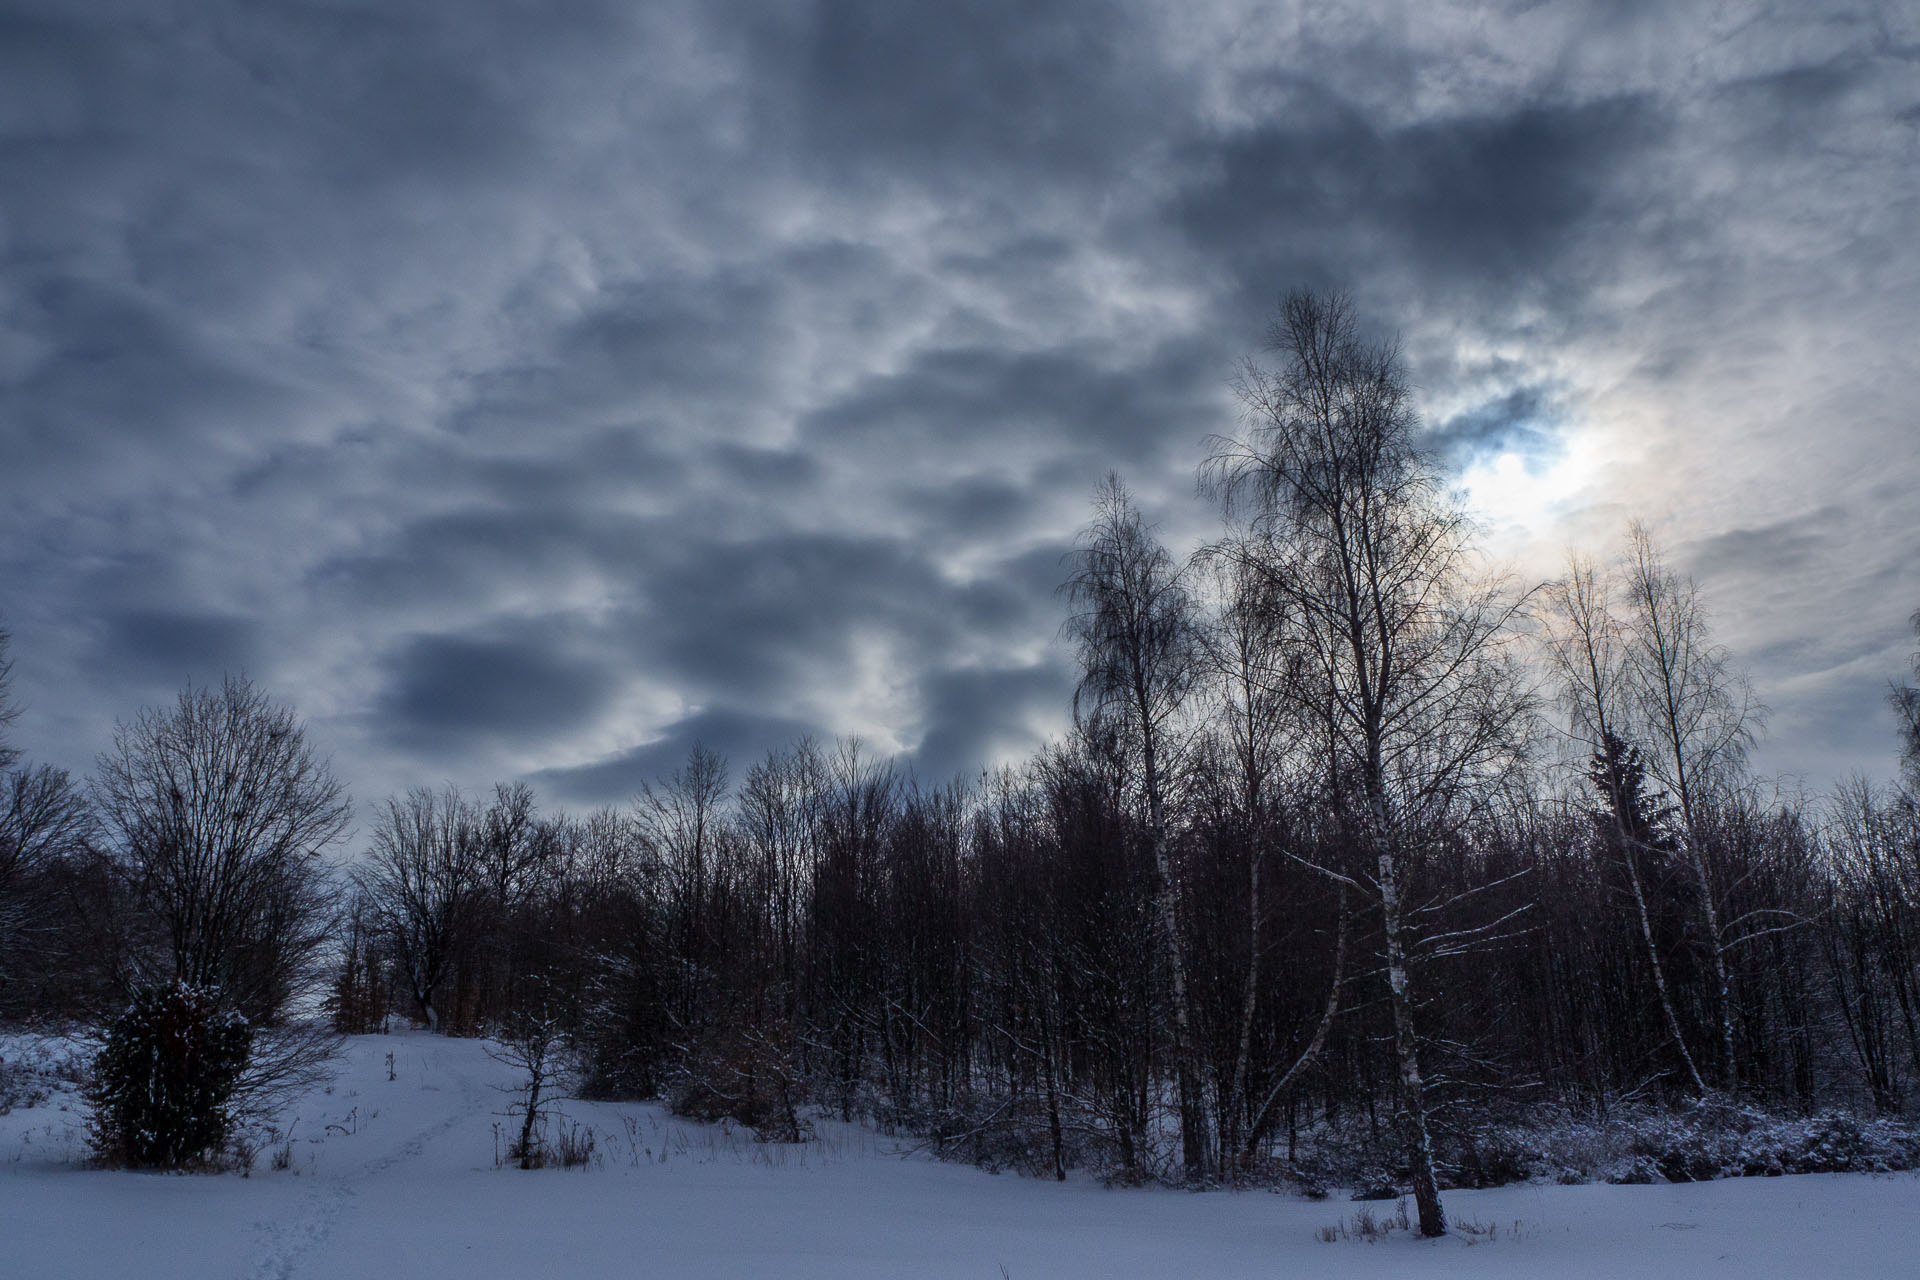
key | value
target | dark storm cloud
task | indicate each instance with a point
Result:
(1793, 102)
(167, 650)
(1781, 567)
(754, 618)
(738, 737)
(982, 715)
(781, 472)
(468, 556)
(973, 505)
(535, 390)
(948, 90)
(692, 361)
(967, 402)
(443, 688)
(1484, 205)
(977, 716)
(671, 344)
(119, 382)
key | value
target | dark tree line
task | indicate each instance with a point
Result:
(986, 965)
(1351, 842)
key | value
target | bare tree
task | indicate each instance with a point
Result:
(1139, 650)
(219, 812)
(1416, 694)
(681, 823)
(514, 849)
(533, 1042)
(1584, 647)
(426, 878)
(1701, 716)
(779, 812)
(44, 817)
(1249, 679)
(1256, 675)
(1871, 938)
(510, 855)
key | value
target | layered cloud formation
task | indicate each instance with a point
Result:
(531, 390)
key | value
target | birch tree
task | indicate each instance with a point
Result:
(1139, 651)
(1248, 670)
(1585, 649)
(1255, 674)
(1701, 716)
(1417, 697)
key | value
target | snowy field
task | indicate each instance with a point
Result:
(397, 1179)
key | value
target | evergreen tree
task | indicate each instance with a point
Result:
(166, 1078)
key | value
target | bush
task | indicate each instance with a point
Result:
(1379, 1183)
(20, 1088)
(745, 1076)
(165, 1081)
(1493, 1157)
(1017, 1134)
(1703, 1140)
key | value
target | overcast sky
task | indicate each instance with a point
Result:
(527, 390)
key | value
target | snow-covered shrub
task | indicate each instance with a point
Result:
(165, 1080)
(1018, 1134)
(987, 1137)
(621, 1041)
(1378, 1182)
(747, 1076)
(1721, 1140)
(1352, 1153)
(1712, 1138)
(20, 1087)
(1494, 1156)
(1634, 1171)
(36, 1068)
(1834, 1142)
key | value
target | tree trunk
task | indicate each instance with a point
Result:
(1627, 849)
(1659, 971)
(1257, 1125)
(1054, 1135)
(1193, 1116)
(1242, 1058)
(1406, 1052)
(1723, 988)
(526, 1125)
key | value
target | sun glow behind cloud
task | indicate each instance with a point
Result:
(1523, 499)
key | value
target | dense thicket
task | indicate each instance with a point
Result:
(980, 964)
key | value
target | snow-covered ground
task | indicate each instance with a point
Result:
(397, 1179)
